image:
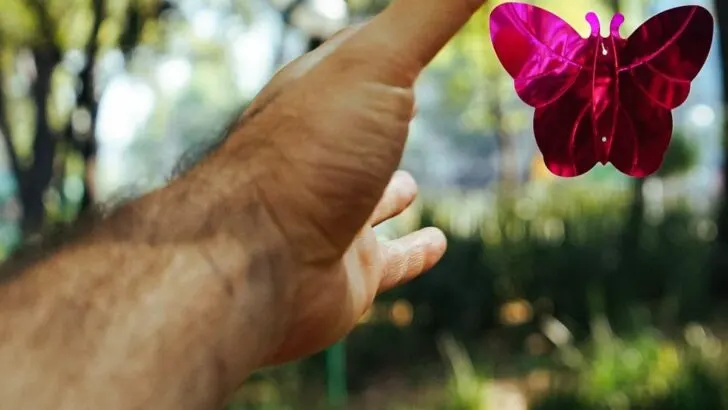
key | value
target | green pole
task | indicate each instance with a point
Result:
(336, 375)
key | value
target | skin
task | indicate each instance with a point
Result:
(260, 254)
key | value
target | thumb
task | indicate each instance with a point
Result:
(409, 33)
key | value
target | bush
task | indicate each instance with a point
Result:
(645, 373)
(564, 401)
(559, 250)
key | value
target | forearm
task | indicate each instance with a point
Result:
(150, 309)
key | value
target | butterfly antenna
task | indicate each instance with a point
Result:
(617, 22)
(593, 20)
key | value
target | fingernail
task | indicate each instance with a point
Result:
(402, 176)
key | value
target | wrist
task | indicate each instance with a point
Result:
(236, 311)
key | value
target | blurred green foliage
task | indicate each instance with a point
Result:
(465, 390)
(558, 246)
(681, 156)
(547, 265)
(647, 372)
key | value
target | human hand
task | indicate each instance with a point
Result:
(320, 145)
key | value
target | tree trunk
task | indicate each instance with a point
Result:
(33, 178)
(619, 288)
(4, 125)
(508, 178)
(86, 100)
(719, 279)
(33, 181)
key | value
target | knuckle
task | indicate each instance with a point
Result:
(416, 260)
(397, 258)
(405, 98)
(397, 101)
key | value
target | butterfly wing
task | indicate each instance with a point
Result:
(667, 52)
(551, 65)
(564, 130)
(538, 49)
(657, 64)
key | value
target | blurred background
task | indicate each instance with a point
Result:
(599, 292)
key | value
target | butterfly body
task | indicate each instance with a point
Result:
(601, 99)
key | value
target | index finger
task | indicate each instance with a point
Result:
(416, 30)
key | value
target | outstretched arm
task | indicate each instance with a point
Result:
(261, 254)
(137, 312)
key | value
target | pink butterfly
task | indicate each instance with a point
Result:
(602, 99)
